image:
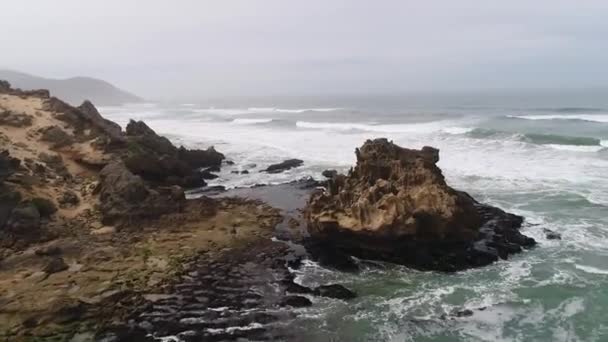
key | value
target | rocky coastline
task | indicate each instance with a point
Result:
(95, 220)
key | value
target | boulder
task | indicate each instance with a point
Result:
(395, 205)
(283, 166)
(125, 196)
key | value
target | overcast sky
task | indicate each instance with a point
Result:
(306, 47)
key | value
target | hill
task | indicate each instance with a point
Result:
(73, 90)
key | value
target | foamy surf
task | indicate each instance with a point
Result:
(587, 117)
(251, 121)
(591, 269)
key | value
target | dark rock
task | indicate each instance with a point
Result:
(329, 173)
(229, 162)
(334, 291)
(124, 195)
(208, 175)
(110, 128)
(56, 136)
(396, 206)
(24, 219)
(296, 301)
(55, 265)
(244, 172)
(215, 168)
(45, 206)
(283, 166)
(464, 313)
(13, 119)
(155, 159)
(69, 198)
(551, 235)
(48, 251)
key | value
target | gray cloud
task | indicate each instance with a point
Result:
(208, 48)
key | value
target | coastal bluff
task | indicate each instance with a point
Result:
(395, 205)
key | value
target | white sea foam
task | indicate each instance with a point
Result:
(604, 143)
(426, 127)
(591, 269)
(457, 130)
(575, 148)
(251, 121)
(586, 117)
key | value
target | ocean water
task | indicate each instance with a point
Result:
(545, 158)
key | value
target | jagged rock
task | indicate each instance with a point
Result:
(9, 118)
(125, 196)
(45, 206)
(55, 163)
(56, 136)
(329, 173)
(112, 129)
(396, 206)
(155, 159)
(283, 166)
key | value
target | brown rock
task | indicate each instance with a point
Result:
(395, 205)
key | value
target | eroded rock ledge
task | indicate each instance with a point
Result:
(395, 205)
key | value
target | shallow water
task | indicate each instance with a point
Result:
(548, 163)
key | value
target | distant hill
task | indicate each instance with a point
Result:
(73, 90)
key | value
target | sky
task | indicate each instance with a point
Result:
(272, 47)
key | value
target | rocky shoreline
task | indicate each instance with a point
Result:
(96, 221)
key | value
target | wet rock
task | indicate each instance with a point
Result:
(334, 291)
(56, 136)
(296, 301)
(395, 205)
(551, 235)
(229, 162)
(283, 166)
(245, 172)
(329, 173)
(464, 313)
(208, 175)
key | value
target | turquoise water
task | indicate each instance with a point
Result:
(547, 163)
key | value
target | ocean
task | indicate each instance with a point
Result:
(544, 157)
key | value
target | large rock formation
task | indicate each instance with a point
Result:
(155, 159)
(395, 205)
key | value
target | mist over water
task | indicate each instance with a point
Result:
(542, 157)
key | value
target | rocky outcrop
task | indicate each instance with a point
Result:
(125, 197)
(395, 205)
(155, 159)
(15, 119)
(283, 166)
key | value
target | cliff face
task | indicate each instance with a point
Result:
(395, 205)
